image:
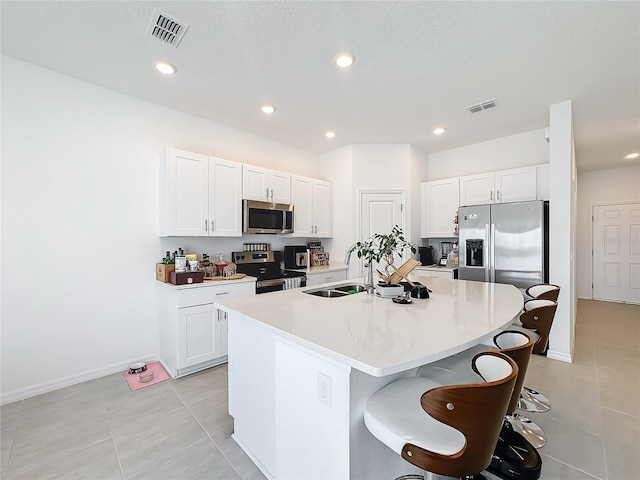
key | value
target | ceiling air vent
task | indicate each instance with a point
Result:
(166, 28)
(478, 107)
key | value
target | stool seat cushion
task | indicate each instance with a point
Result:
(395, 416)
(527, 331)
(535, 303)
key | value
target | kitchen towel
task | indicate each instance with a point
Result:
(292, 283)
(159, 375)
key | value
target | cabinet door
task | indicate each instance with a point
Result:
(477, 189)
(225, 198)
(439, 206)
(515, 185)
(322, 209)
(325, 277)
(184, 194)
(255, 183)
(542, 181)
(279, 185)
(222, 333)
(301, 195)
(196, 338)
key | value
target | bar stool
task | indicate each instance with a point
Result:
(445, 429)
(516, 345)
(544, 291)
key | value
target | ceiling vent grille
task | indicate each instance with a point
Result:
(478, 107)
(166, 28)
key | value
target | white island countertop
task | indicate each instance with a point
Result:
(379, 337)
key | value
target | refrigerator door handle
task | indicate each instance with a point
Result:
(492, 251)
(486, 254)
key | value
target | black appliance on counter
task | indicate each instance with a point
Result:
(295, 256)
(265, 266)
(426, 256)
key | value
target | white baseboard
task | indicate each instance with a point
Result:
(51, 385)
(563, 357)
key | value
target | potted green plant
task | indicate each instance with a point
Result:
(380, 247)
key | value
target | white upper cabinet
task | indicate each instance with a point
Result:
(504, 186)
(322, 208)
(265, 185)
(199, 195)
(225, 194)
(312, 207)
(542, 180)
(439, 202)
(477, 189)
(516, 185)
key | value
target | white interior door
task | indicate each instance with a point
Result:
(616, 253)
(379, 213)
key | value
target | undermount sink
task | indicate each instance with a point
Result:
(337, 290)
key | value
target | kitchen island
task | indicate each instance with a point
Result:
(301, 369)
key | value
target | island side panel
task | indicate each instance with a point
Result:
(252, 390)
(312, 415)
(369, 457)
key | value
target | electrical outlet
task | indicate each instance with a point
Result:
(324, 389)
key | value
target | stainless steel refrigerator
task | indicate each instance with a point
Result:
(504, 243)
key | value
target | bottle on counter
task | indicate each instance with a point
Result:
(181, 261)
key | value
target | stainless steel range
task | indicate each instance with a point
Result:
(265, 266)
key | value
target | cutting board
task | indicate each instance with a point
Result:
(236, 276)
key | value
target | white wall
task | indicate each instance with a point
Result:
(80, 222)
(619, 185)
(520, 150)
(338, 166)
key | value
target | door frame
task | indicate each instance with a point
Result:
(592, 207)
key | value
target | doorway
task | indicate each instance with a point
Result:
(380, 211)
(616, 252)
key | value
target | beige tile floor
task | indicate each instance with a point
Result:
(181, 430)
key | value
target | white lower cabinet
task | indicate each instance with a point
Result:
(193, 334)
(435, 272)
(325, 277)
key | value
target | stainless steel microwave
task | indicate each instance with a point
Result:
(266, 217)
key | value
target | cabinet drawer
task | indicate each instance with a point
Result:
(199, 296)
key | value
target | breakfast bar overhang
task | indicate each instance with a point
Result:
(302, 367)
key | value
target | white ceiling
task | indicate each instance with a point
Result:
(418, 64)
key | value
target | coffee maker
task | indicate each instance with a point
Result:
(426, 256)
(295, 256)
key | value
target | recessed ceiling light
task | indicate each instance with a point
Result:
(631, 156)
(166, 68)
(330, 134)
(344, 60)
(439, 130)
(268, 108)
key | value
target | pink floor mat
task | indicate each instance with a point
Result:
(159, 375)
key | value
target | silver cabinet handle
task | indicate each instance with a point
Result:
(205, 226)
(491, 195)
(266, 193)
(212, 224)
(328, 278)
(222, 293)
(272, 194)
(498, 195)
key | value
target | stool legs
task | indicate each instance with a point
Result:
(533, 401)
(528, 429)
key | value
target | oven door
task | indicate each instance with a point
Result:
(266, 286)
